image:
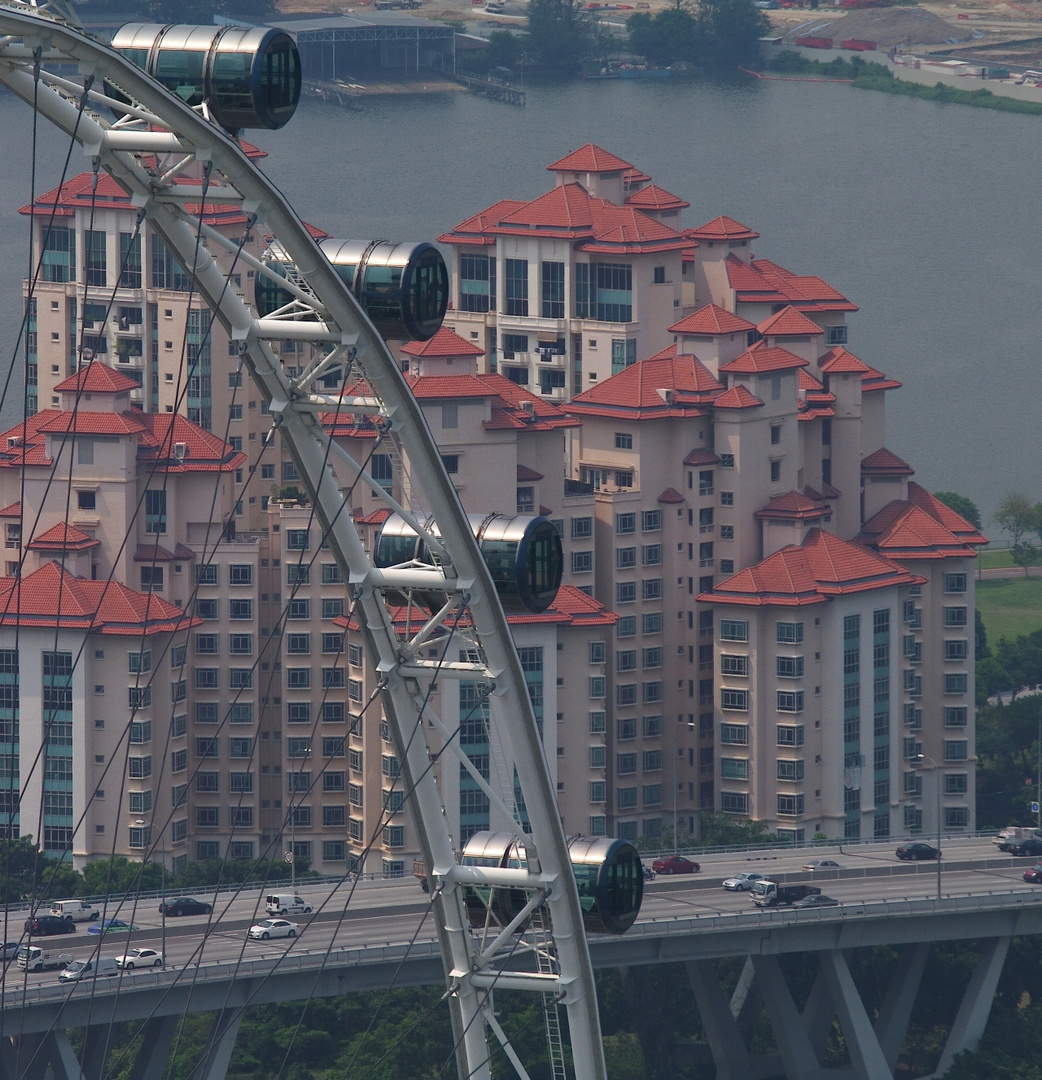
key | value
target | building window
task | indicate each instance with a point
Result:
(626, 626)
(955, 717)
(790, 734)
(582, 528)
(955, 683)
(790, 770)
(516, 287)
(955, 616)
(151, 577)
(734, 768)
(598, 684)
(625, 558)
(582, 562)
(955, 583)
(625, 524)
(955, 750)
(625, 592)
(789, 667)
(733, 665)
(155, 511)
(790, 701)
(790, 805)
(734, 630)
(477, 283)
(734, 802)
(775, 471)
(623, 440)
(553, 289)
(956, 649)
(597, 757)
(734, 700)
(734, 734)
(598, 722)
(297, 539)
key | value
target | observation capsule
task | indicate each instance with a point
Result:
(607, 872)
(523, 555)
(402, 287)
(249, 77)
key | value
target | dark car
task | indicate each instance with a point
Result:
(816, 900)
(1030, 846)
(1034, 875)
(184, 905)
(675, 864)
(45, 925)
(918, 851)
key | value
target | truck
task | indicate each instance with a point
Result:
(858, 45)
(771, 894)
(76, 910)
(810, 42)
(1007, 837)
(33, 958)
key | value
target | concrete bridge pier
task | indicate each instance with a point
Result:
(873, 1045)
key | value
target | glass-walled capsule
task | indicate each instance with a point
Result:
(248, 77)
(608, 874)
(523, 555)
(402, 287)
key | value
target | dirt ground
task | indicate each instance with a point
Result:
(998, 31)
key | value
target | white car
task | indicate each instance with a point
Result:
(743, 882)
(140, 958)
(822, 864)
(270, 928)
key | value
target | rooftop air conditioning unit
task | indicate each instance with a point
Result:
(180, 451)
(666, 395)
(528, 407)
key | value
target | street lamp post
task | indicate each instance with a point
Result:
(676, 800)
(937, 775)
(162, 889)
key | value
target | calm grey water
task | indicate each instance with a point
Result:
(924, 215)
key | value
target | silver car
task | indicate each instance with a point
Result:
(743, 882)
(274, 928)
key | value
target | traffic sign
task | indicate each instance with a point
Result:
(288, 856)
(1034, 807)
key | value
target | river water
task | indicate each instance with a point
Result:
(925, 215)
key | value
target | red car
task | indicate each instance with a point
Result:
(675, 864)
(1034, 875)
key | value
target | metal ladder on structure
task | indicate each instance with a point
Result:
(548, 965)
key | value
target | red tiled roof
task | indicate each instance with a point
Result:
(76, 194)
(793, 506)
(941, 512)
(634, 176)
(712, 320)
(13, 510)
(475, 230)
(908, 532)
(765, 282)
(589, 159)
(789, 323)
(885, 463)
(653, 197)
(838, 361)
(377, 517)
(446, 342)
(568, 206)
(157, 433)
(814, 389)
(51, 596)
(148, 553)
(98, 378)
(670, 495)
(569, 212)
(63, 537)
(635, 392)
(822, 567)
(876, 380)
(761, 358)
(723, 228)
(702, 456)
(524, 473)
(737, 398)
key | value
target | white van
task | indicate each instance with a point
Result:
(286, 904)
(89, 969)
(75, 910)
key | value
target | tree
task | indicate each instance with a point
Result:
(1017, 516)
(965, 508)
(560, 33)
(664, 38)
(730, 32)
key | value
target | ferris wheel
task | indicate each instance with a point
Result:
(146, 137)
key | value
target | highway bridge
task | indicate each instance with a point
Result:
(371, 935)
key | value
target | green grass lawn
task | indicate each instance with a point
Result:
(1010, 607)
(995, 558)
